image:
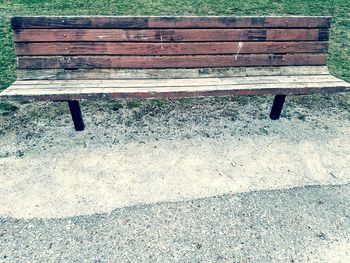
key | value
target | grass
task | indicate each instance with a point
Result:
(7, 108)
(339, 57)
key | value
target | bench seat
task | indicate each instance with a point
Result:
(60, 90)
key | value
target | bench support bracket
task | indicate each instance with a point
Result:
(76, 115)
(277, 107)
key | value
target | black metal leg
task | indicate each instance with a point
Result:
(76, 115)
(277, 107)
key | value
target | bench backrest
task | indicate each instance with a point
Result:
(109, 42)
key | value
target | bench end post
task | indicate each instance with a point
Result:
(76, 115)
(277, 107)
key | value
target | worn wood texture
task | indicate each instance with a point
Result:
(63, 74)
(169, 42)
(129, 83)
(72, 58)
(170, 22)
(323, 34)
(168, 35)
(171, 61)
(89, 90)
(111, 48)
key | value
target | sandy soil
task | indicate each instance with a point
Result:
(135, 152)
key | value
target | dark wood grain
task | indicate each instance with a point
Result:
(78, 22)
(169, 22)
(168, 35)
(239, 22)
(171, 61)
(323, 34)
(110, 48)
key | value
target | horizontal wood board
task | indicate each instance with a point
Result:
(60, 90)
(171, 61)
(170, 73)
(168, 35)
(146, 49)
(169, 22)
(169, 42)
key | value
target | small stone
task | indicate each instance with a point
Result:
(321, 236)
(2, 232)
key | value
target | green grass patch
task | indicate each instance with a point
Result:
(7, 108)
(133, 103)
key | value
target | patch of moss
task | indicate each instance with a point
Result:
(7, 108)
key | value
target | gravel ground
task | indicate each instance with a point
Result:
(310, 224)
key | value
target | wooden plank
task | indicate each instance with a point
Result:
(63, 74)
(78, 22)
(42, 93)
(164, 35)
(170, 88)
(323, 34)
(169, 22)
(171, 61)
(295, 34)
(240, 22)
(130, 83)
(113, 48)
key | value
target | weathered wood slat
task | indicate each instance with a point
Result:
(18, 22)
(214, 86)
(323, 34)
(170, 22)
(178, 82)
(172, 35)
(62, 74)
(297, 34)
(244, 22)
(110, 48)
(42, 93)
(171, 61)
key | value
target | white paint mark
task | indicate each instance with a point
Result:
(161, 43)
(102, 36)
(240, 45)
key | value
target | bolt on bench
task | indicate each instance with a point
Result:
(83, 58)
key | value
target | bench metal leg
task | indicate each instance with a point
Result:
(277, 107)
(76, 115)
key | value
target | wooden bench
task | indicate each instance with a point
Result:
(78, 58)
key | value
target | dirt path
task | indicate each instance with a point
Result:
(146, 152)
